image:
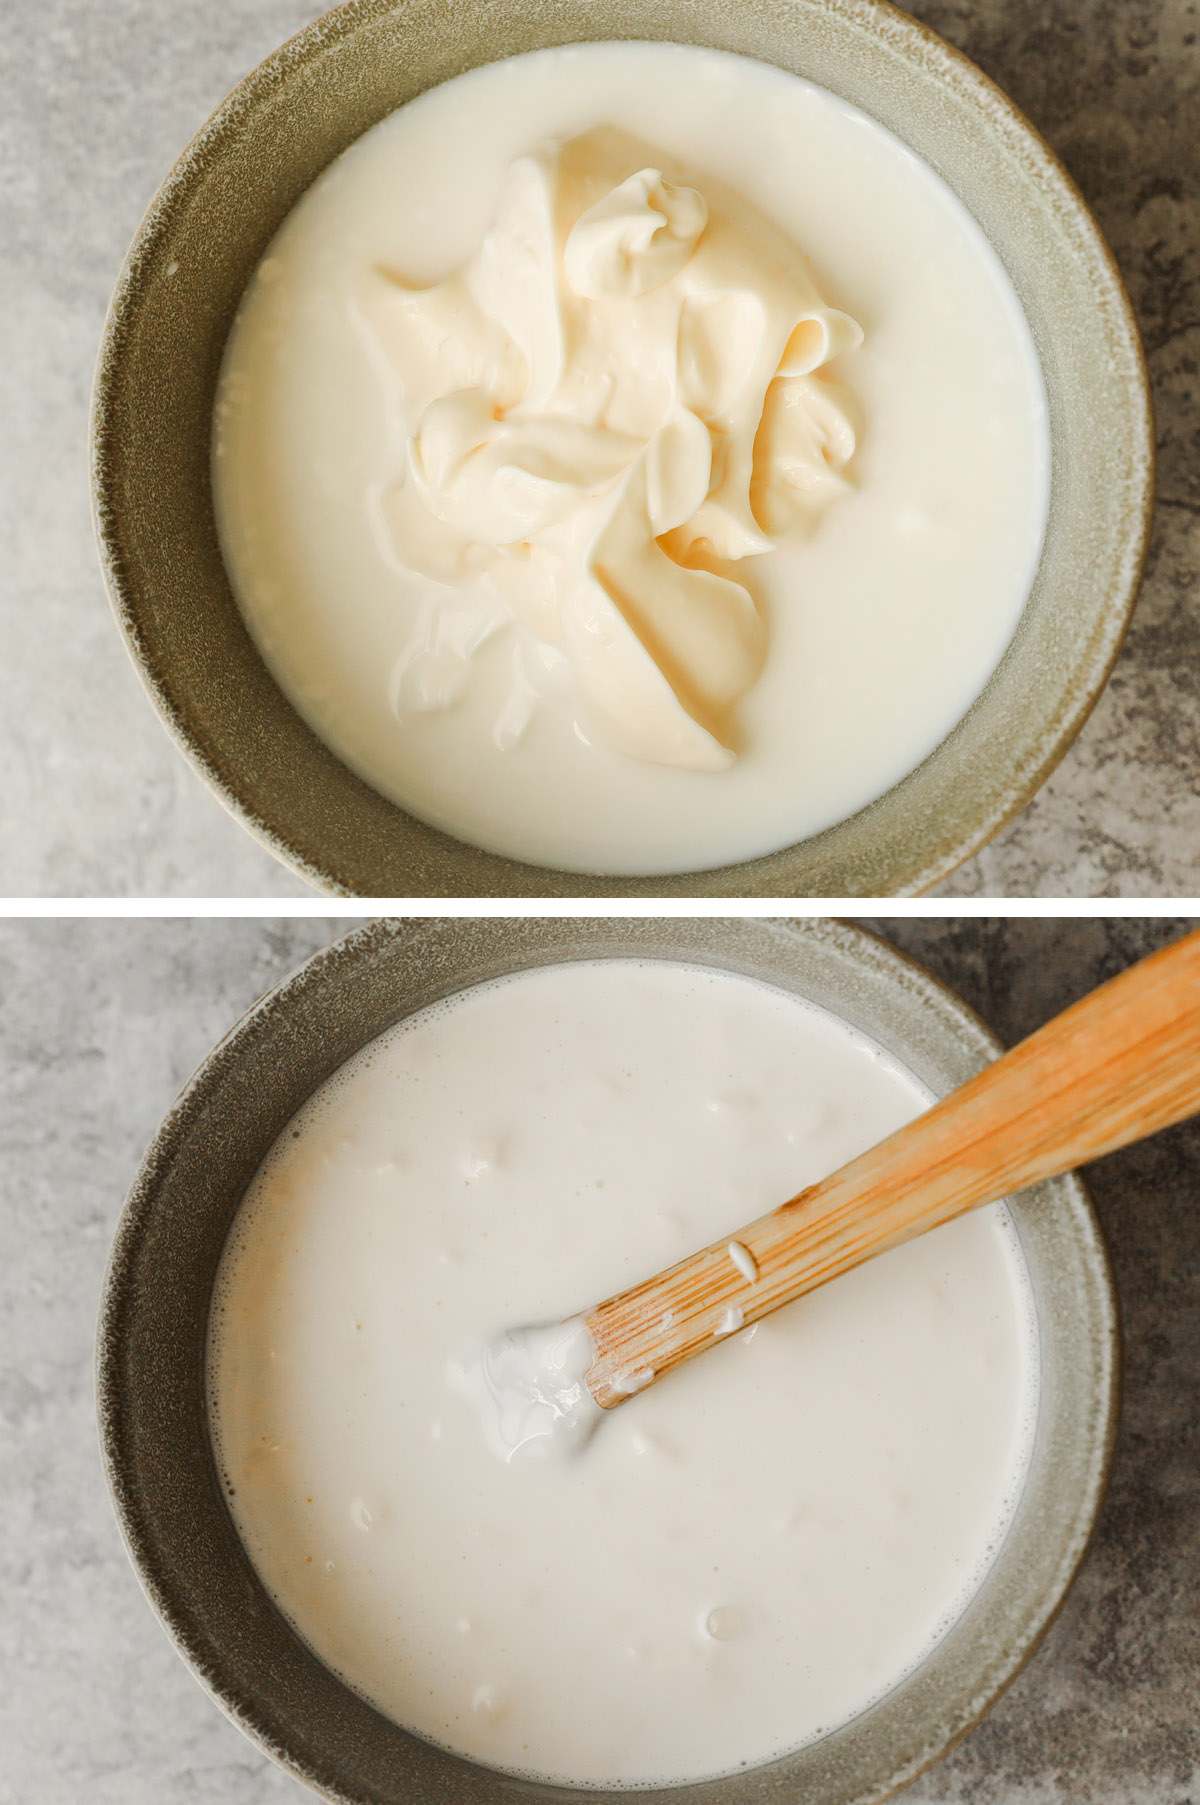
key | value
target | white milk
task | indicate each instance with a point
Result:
(738, 1560)
(881, 626)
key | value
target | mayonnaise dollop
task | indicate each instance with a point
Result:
(618, 398)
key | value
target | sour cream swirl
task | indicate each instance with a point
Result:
(619, 397)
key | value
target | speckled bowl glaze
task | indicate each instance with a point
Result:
(153, 1322)
(210, 224)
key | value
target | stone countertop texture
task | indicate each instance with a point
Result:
(96, 101)
(105, 1020)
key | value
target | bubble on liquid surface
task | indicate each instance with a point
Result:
(487, 1703)
(724, 1624)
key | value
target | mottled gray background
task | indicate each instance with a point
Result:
(96, 101)
(105, 1020)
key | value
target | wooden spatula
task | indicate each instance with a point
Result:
(1112, 1069)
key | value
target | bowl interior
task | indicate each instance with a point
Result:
(209, 226)
(154, 1318)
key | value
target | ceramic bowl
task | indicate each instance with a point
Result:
(214, 217)
(154, 1317)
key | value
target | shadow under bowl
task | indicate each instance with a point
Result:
(154, 1318)
(205, 234)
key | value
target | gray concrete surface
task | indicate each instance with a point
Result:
(96, 100)
(105, 1020)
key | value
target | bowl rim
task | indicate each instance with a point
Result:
(849, 942)
(939, 852)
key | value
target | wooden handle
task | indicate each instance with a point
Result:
(1115, 1067)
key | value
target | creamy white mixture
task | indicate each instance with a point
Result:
(463, 673)
(736, 1561)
